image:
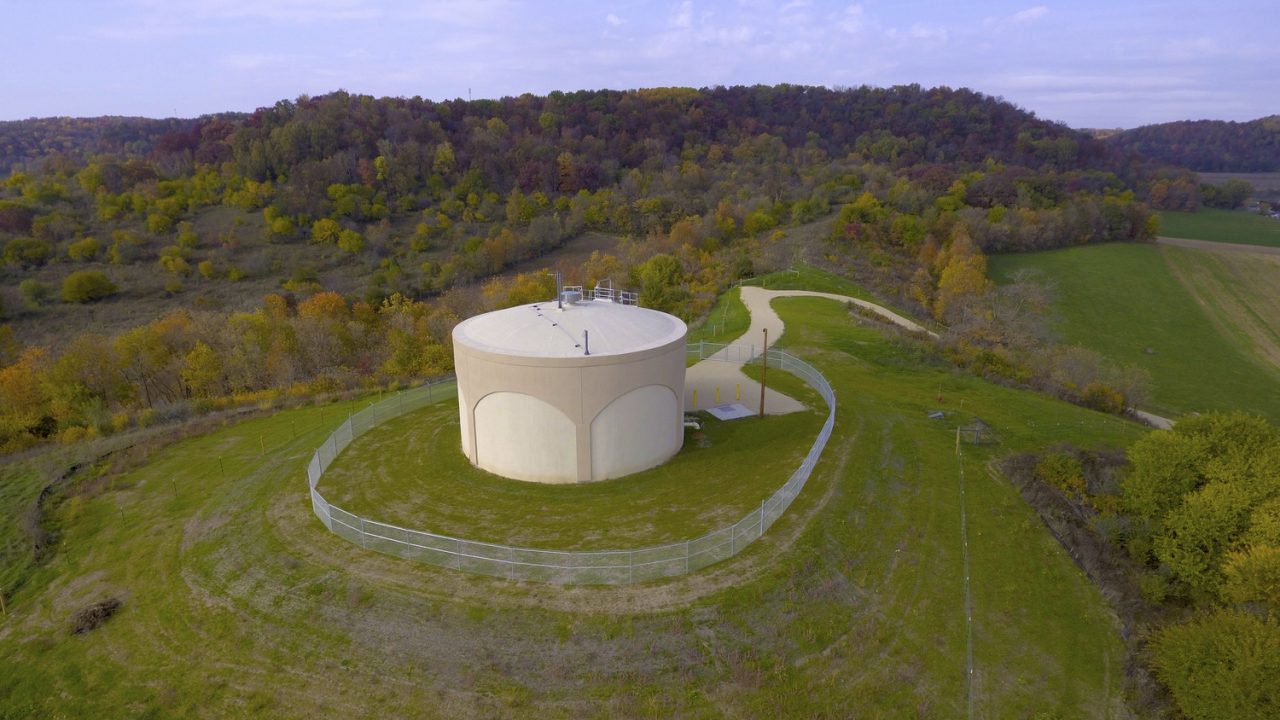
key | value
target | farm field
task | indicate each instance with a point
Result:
(1228, 226)
(1203, 324)
(238, 603)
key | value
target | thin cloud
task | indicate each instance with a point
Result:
(1022, 17)
(289, 11)
(683, 18)
(1031, 14)
(852, 21)
(919, 32)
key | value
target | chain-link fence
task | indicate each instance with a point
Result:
(585, 567)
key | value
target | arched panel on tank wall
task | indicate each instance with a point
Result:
(520, 436)
(635, 432)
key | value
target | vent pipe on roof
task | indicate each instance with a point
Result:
(559, 292)
(586, 345)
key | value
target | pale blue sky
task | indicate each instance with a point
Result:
(1088, 63)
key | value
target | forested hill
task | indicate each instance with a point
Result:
(24, 141)
(334, 241)
(517, 140)
(1207, 145)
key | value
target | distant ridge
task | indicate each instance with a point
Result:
(1207, 145)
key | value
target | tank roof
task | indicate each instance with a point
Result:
(542, 330)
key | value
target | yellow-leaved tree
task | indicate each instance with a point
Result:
(963, 274)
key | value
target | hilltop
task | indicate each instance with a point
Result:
(1207, 145)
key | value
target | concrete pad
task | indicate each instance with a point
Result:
(716, 382)
(730, 411)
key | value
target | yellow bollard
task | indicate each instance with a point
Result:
(738, 395)
(695, 397)
(717, 394)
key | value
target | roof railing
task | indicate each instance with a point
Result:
(600, 293)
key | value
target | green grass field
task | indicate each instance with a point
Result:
(1127, 302)
(410, 472)
(1229, 226)
(238, 603)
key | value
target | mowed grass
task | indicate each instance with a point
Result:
(1228, 226)
(727, 320)
(239, 604)
(1126, 302)
(411, 472)
(1241, 293)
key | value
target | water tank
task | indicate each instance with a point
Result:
(587, 391)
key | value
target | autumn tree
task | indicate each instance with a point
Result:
(1222, 666)
(962, 277)
(85, 286)
(202, 371)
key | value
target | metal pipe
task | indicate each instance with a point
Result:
(764, 367)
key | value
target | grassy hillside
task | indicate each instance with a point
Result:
(238, 603)
(1129, 303)
(433, 487)
(1230, 226)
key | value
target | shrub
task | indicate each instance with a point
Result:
(94, 616)
(33, 291)
(84, 250)
(27, 252)
(87, 286)
(1153, 586)
(1063, 471)
(1103, 398)
(159, 224)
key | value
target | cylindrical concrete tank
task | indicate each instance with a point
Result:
(588, 391)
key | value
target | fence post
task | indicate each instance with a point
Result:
(762, 518)
(363, 535)
(511, 563)
(630, 565)
(686, 556)
(733, 537)
(428, 392)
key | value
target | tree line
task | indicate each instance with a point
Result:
(1197, 511)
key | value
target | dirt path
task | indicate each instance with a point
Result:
(719, 379)
(1213, 246)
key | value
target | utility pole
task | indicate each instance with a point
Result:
(764, 368)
